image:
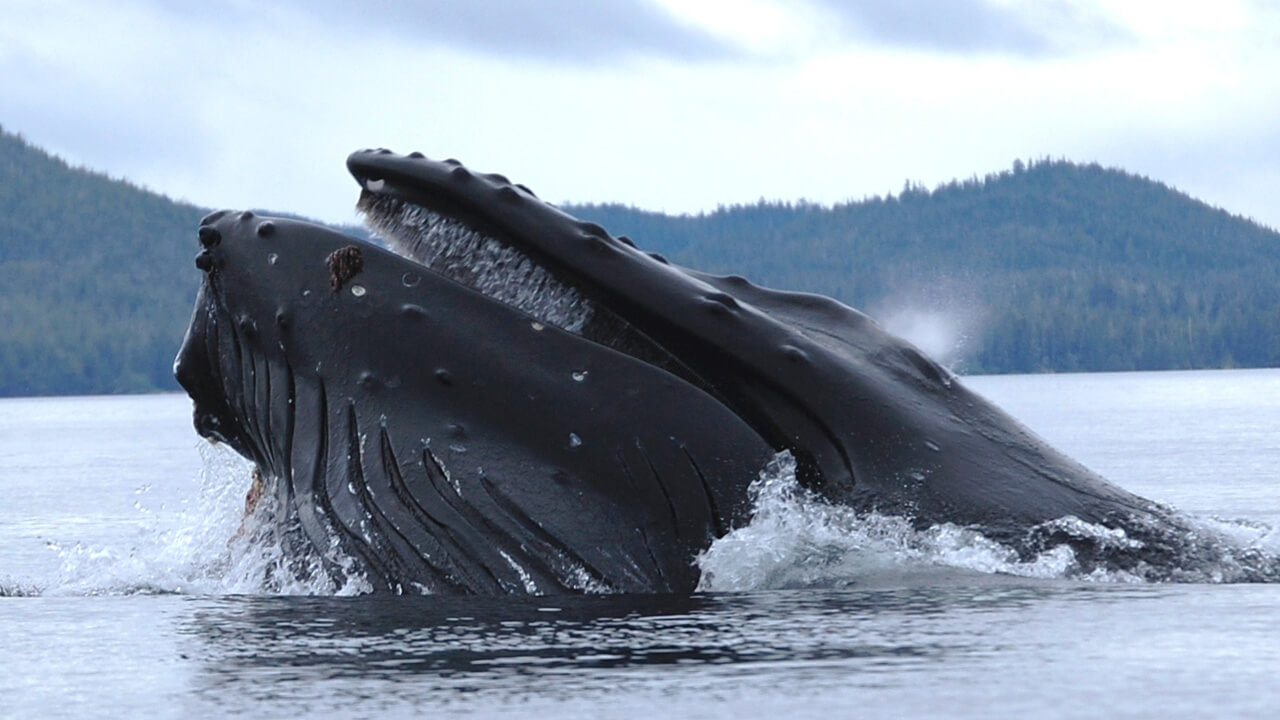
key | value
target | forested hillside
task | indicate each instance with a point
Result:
(96, 278)
(1054, 266)
(94, 283)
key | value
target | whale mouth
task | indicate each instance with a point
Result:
(476, 252)
(431, 408)
(450, 246)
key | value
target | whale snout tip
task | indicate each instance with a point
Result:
(213, 217)
(209, 236)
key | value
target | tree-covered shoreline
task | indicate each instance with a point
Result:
(1051, 266)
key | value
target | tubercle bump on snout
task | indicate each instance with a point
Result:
(222, 229)
(375, 169)
(209, 236)
(213, 217)
(423, 181)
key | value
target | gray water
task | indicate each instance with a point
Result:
(127, 590)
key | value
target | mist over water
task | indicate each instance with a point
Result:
(942, 336)
(942, 319)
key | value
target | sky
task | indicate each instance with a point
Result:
(668, 105)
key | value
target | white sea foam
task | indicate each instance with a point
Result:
(210, 547)
(794, 539)
(798, 539)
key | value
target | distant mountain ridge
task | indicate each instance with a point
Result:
(96, 278)
(1052, 266)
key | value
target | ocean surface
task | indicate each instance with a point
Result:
(129, 588)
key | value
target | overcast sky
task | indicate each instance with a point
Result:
(674, 105)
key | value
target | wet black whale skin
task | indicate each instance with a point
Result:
(454, 444)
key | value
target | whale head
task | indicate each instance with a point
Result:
(506, 398)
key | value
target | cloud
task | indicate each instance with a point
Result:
(1050, 27)
(244, 103)
(107, 90)
(572, 31)
(1235, 167)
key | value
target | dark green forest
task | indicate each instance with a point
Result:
(95, 280)
(1051, 266)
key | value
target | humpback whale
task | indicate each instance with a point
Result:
(506, 399)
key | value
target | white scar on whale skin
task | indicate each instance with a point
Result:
(461, 253)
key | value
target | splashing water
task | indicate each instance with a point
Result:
(798, 539)
(209, 548)
(794, 539)
(941, 335)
